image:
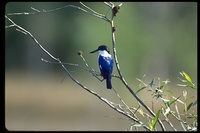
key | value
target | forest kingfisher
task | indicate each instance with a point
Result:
(105, 64)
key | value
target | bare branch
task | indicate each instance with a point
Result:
(32, 37)
(35, 9)
(109, 5)
(65, 63)
(112, 5)
(179, 117)
(45, 11)
(98, 14)
(9, 26)
(90, 12)
(170, 124)
(91, 70)
(124, 103)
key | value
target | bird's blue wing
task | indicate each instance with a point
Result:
(105, 65)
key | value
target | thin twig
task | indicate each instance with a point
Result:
(168, 121)
(177, 111)
(35, 40)
(91, 12)
(108, 4)
(94, 12)
(124, 103)
(94, 73)
(65, 63)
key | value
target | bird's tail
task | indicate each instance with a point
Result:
(108, 82)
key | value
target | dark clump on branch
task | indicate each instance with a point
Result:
(113, 29)
(80, 53)
(115, 10)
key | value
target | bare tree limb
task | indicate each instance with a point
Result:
(37, 11)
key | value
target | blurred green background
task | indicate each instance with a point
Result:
(152, 39)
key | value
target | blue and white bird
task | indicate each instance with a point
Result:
(105, 64)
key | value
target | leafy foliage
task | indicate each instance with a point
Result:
(160, 92)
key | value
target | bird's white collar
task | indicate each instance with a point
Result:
(104, 53)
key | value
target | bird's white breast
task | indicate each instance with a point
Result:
(104, 53)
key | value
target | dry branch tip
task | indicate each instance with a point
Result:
(80, 53)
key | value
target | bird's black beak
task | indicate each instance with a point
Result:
(94, 51)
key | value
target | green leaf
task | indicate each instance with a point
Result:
(189, 98)
(169, 91)
(152, 82)
(192, 116)
(140, 89)
(181, 85)
(187, 77)
(174, 100)
(194, 103)
(161, 86)
(189, 106)
(192, 86)
(154, 121)
(138, 125)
